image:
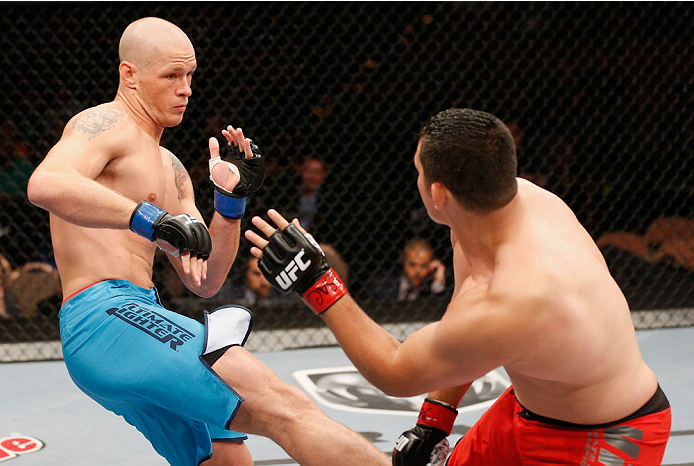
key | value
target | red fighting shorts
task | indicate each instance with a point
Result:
(508, 435)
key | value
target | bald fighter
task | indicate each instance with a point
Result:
(114, 196)
(532, 294)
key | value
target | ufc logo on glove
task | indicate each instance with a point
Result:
(288, 275)
(312, 277)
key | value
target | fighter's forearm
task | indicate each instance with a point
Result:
(372, 350)
(451, 395)
(225, 234)
(80, 200)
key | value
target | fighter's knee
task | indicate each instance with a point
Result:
(288, 401)
(283, 408)
(297, 400)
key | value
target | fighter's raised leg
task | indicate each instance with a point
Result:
(285, 414)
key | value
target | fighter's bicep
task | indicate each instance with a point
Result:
(421, 366)
(69, 157)
(480, 335)
(464, 345)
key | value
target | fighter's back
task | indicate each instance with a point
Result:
(581, 362)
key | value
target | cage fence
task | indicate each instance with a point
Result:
(598, 97)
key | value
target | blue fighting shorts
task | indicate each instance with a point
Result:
(143, 362)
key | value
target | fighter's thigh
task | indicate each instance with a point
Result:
(229, 454)
(268, 401)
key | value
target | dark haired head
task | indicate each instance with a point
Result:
(473, 155)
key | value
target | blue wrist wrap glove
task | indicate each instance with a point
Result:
(251, 173)
(185, 232)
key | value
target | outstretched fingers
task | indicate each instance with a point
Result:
(196, 267)
(232, 135)
(258, 241)
(235, 137)
(298, 225)
(278, 219)
(266, 229)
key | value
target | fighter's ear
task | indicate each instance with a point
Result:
(127, 74)
(440, 195)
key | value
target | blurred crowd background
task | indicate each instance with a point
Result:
(598, 97)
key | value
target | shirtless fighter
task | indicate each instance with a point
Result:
(114, 195)
(532, 294)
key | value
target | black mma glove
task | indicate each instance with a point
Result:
(427, 442)
(184, 232)
(294, 262)
(251, 173)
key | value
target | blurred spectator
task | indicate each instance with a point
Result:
(31, 289)
(255, 289)
(5, 271)
(18, 231)
(307, 206)
(15, 167)
(656, 269)
(422, 275)
(336, 261)
(674, 238)
(667, 239)
(313, 195)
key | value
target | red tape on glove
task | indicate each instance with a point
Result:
(438, 415)
(325, 292)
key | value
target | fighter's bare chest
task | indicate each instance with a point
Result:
(143, 175)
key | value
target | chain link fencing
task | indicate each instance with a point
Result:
(597, 95)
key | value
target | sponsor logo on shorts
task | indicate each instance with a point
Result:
(153, 324)
(623, 441)
(17, 444)
(344, 388)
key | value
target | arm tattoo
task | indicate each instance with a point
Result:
(95, 121)
(180, 175)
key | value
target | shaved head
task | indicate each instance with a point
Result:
(157, 62)
(147, 40)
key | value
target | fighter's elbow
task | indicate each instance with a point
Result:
(399, 390)
(394, 385)
(38, 190)
(206, 294)
(205, 290)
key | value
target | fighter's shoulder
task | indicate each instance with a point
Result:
(169, 157)
(181, 176)
(542, 201)
(167, 154)
(102, 123)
